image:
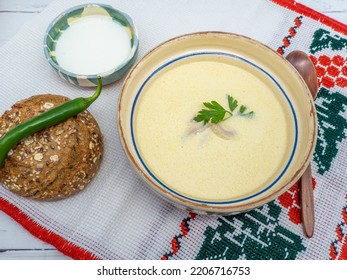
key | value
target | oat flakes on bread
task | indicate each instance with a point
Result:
(56, 162)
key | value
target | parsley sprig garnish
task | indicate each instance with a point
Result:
(216, 113)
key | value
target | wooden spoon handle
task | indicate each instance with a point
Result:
(307, 202)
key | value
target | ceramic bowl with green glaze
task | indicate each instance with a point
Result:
(72, 15)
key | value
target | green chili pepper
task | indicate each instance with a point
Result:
(47, 119)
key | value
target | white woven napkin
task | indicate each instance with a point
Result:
(116, 216)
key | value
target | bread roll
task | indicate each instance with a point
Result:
(56, 162)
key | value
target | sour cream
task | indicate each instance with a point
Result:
(196, 161)
(93, 45)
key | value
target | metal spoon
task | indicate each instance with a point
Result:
(306, 69)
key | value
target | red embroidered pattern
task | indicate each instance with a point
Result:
(308, 12)
(290, 200)
(176, 240)
(338, 248)
(291, 34)
(331, 71)
(66, 247)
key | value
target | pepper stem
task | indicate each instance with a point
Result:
(90, 100)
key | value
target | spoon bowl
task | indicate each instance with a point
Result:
(303, 64)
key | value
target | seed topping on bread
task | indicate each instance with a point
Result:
(55, 162)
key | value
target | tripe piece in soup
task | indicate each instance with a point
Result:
(238, 157)
(93, 45)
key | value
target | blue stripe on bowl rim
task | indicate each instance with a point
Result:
(156, 71)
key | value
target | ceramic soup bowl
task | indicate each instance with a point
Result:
(169, 112)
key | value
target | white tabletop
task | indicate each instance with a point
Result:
(16, 242)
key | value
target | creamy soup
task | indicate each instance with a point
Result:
(93, 45)
(240, 156)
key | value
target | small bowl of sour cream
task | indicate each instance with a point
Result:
(89, 41)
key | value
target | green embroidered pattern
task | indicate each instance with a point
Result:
(322, 39)
(332, 127)
(254, 235)
(331, 106)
